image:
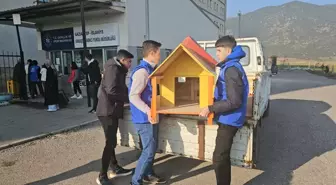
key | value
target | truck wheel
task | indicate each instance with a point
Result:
(266, 113)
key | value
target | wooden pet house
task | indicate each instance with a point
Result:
(185, 81)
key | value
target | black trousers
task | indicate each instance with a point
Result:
(76, 87)
(110, 127)
(221, 155)
(34, 89)
(93, 93)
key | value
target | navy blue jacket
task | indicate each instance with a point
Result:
(231, 91)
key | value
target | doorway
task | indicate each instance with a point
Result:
(66, 62)
(186, 91)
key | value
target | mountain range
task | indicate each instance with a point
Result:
(296, 29)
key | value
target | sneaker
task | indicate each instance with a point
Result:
(52, 108)
(74, 97)
(92, 111)
(80, 97)
(133, 184)
(154, 179)
(120, 172)
(103, 180)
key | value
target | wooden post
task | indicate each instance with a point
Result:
(211, 98)
(201, 139)
(154, 98)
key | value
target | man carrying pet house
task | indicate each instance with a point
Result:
(231, 93)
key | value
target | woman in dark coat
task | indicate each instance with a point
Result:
(51, 90)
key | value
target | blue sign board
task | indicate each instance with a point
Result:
(60, 39)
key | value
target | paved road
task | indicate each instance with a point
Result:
(297, 146)
(21, 121)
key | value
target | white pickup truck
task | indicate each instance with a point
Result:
(191, 137)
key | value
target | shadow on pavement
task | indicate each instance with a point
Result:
(93, 166)
(124, 159)
(295, 132)
(181, 168)
(284, 81)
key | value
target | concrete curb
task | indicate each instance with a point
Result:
(42, 136)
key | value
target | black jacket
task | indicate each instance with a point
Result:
(234, 90)
(113, 90)
(93, 72)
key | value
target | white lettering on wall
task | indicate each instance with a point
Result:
(98, 35)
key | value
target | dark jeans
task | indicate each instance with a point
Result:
(110, 127)
(76, 87)
(221, 155)
(149, 139)
(93, 94)
(34, 90)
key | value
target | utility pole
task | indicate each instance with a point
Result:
(147, 18)
(82, 10)
(239, 19)
(22, 80)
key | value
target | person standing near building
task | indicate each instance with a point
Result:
(112, 96)
(74, 79)
(231, 93)
(140, 96)
(51, 88)
(27, 69)
(34, 78)
(43, 75)
(94, 76)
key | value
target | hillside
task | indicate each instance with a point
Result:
(295, 29)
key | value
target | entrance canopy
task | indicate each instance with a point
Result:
(59, 8)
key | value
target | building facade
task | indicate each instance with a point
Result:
(8, 36)
(122, 25)
(215, 10)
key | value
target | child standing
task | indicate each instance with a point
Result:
(74, 79)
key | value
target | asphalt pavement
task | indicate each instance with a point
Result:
(297, 146)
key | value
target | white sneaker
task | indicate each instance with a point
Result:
(73, 97)
(80, 97)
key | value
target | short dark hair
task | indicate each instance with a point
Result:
(35, 62)
(122, 53)
(227, 41)
(150, 45)
(74, 65)
(88, 56)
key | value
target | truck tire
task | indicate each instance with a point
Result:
(266, 113)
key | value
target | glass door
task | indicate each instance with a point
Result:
(56, 60)
(66, 62)
(97, 54)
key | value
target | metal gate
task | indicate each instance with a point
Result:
(8, 60)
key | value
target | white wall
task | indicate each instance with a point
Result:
(135, 13)
(170, 22)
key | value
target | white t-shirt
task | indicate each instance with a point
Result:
(43, 74)
(26, 68)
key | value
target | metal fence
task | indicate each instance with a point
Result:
(8, 60)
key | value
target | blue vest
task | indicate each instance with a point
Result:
(235, 118)
(33, 74)
(139, 117)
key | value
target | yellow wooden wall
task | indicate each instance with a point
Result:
(183, 66)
